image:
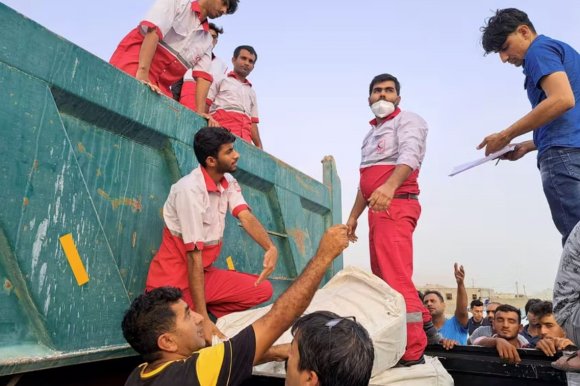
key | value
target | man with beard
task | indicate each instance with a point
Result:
(454, 328)
(233, 100)
(392, 153)
(173, 37)
(506, 324)
(194, 215)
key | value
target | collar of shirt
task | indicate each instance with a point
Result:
(235, 76)
(197, 9)
(210, 184)
(387, 118)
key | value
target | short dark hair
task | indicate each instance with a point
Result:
(509, 308)
(340, 354)
(383, 78)
(218, 30)
(149, 316)
(250, 49)
(429, 292)
(530, 303)
(541, 309)
(207, 142)
(232, 6)
(500, 26)
(476, 303)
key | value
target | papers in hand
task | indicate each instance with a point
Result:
(466, 166)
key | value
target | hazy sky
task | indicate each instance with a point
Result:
(316, 59)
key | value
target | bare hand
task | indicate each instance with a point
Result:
(144, 78)
(381, 198)
(210, 121)
(448, 344)
(507, 351)
(459, 273)
(518, 152)
(333, 242)
(494, 142)
(351, 225)
(209, 330)
(270, 259)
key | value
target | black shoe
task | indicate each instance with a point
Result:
(404, 363)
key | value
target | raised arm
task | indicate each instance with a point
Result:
(461, 307)
(297, 297)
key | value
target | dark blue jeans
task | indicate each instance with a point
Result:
(560, 170)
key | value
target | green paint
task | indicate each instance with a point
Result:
(88, 150)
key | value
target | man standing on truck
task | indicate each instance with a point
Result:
(162, 328)
(194, 216)
(392, 153)
(233, 100)
(173, 37)
(552, 70)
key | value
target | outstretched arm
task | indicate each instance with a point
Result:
(297, 297)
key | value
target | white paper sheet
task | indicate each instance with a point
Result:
(466, 166)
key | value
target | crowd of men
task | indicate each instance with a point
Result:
(171, 51)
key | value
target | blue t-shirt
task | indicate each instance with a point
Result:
(544, 57)
(453, 330)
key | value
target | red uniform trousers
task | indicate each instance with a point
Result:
(238, 123)
(188, 94)
(391, 249)
(225, 291)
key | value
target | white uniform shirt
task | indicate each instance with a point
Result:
(195, 209)
(231, 94)
(401, 140)
(181, 32)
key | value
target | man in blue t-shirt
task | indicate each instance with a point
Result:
(454, 328)
(552, 71)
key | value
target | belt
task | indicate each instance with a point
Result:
(407, 196)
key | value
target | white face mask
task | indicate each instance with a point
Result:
(382, 108)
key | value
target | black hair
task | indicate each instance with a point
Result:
(429, 292)
(232, 6)
(383, 78)
(509, 308)
(530, 303)
(341, 353)
(541, 309)
(250, 49)
(476, 303)
(207, 142)
(149, 316)
(217, 29)
(500, 26)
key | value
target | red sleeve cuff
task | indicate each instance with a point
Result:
(255, 120)
(239, 209)
(189, 247)
(208, 102)
(151, 25)
(202, 75)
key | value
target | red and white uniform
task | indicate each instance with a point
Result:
(400, 139)
(194, 215)
(234, 105)
(184, 42)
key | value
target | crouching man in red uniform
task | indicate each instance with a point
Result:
(194, 216)
(392, 153)
(173, 37)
